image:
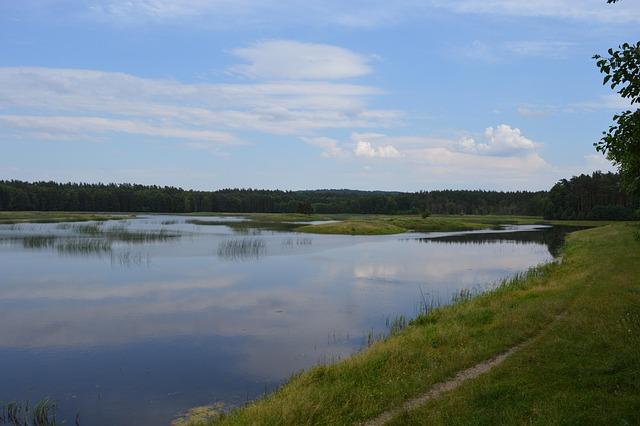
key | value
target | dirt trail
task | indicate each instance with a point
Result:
(470, 373)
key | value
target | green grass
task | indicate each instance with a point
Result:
(43, 413)
(270, 217)
(585, 369)
(55, 217)
(528, 220)
(353, 227)
(374, 224)
(381, 224)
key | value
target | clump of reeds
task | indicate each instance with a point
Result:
(83, 246)
(92, 229)
(123, 234)
(38, 241)
(239, 249)
(396, 324)
(22, 414)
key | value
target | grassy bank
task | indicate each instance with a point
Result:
(584, 368)
(379, 225)
(56, 217)
(360, 224)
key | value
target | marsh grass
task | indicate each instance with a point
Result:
(23, 414)
(242, 249)
(11, 217)
(37, 241)
(124, 235)
(247, 227)
(83, 246)
(362, 224)
(352, 227)
(90, 229)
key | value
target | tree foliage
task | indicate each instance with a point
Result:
(17, 195)
(621, 143)
(596, 197)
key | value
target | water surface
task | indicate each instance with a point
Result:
(133, 322)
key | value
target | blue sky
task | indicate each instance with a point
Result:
(403, 95)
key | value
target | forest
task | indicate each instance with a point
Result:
(598, 196)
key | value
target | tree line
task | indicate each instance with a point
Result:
(598, 196)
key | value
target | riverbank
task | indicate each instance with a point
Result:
(11, 217)
(382, 224)
(338, 224)
(582, 365)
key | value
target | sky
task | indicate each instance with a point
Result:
(400, 95)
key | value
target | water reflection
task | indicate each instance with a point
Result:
(216, 313)
(550, 236)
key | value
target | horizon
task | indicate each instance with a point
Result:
(106, 183)
(294, 96)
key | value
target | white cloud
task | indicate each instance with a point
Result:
(535, 110)
(169, 10)
(583, 10)
(505, 157)
(365, 149)
(500, 140)
(505, 51)
(81, 127)
(472, 170)
(330, 147)
(548, 48)
(611, 101)
(220, 13)
(371, 145)
(293, 60)
(62, 103)
(597, 161)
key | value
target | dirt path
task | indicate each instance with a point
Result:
(470, 373)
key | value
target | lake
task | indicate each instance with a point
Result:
(132, 322)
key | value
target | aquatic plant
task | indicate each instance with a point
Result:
(239, 249)
(80, 246)
(38, 241)
(22, 414)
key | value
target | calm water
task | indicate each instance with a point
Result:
(132, 322)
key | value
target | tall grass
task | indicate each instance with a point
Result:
(38, 241)
(23, 414)
(83, 246)
(241, 249)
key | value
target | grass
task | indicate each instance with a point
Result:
(56, 217)
(22, 414)
(352, 227)
(270, 217)
(381, 225)
(240, 249)
(585, 369)
(395, 224)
